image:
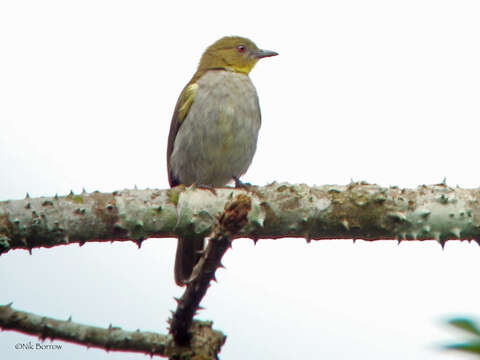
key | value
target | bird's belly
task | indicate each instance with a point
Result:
(216, 150)
(218, 138)
(228, 150)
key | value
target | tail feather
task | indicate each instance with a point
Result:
(188, 253)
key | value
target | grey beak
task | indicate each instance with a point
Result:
(264, 53)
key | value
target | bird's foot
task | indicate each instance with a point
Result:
(240, 184)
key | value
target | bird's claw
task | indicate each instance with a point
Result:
(240, 184)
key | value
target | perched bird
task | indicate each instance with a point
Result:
(214, 129)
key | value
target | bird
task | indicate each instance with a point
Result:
(214, 129)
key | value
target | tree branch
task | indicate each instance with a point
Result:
(357, 210)
(205, 344)
(231, 221)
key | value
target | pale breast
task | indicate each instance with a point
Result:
(218, 137)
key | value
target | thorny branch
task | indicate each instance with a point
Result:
(358, 211)
(205, 344)
(231, 221)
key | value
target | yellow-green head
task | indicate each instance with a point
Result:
(232, 53)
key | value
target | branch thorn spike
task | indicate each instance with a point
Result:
(178, 300)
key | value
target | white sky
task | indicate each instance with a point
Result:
(382, 91)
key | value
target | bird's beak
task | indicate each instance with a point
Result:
(263, 53)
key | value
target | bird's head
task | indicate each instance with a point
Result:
(233, 53)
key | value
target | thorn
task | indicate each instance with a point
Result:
(220, 265)
(139, 242)
(354, 240)
(30, 250)
(199, 307)
(397, 216)
(440, 239)
(56, 196)
(71, 193)
(425, 213)
(135, 187)
(442, 243)
(84, 191)
(345, 224)
(477, 240)
(178, 300)
(27, 196)
(308, 240)
(214, 278)
(444, 181)
(400, 237)
(69, 318)
(255, 241)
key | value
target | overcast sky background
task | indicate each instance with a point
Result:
(382, 91)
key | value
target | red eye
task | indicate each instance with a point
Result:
(241, 48)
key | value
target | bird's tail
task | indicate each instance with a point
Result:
(188, 252)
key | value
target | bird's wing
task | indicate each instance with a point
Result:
(184, 103)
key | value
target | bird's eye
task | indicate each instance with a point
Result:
(241, 48)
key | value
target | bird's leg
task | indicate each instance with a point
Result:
(240, 184)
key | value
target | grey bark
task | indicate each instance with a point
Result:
(354, 211)
(205, 344)
(357, 210)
